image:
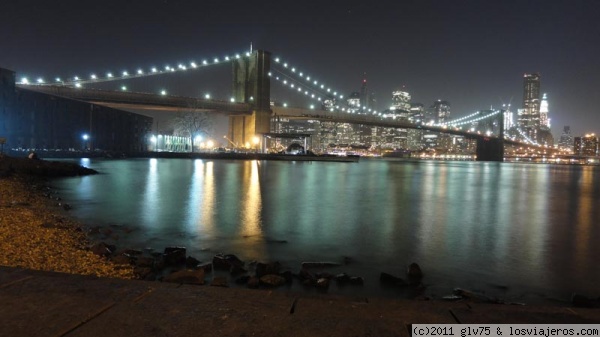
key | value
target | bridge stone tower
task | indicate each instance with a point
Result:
(492, 149)
(251, 84)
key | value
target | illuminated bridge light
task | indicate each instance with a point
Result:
(58, 79)
(284, 81)
(269, 73)
(312, 106)
(109, 75)
(277, 59)
(78, 85)
(204, 62)
(312, 96)
(93, 77)
(40, 80)
(193, 64)
(285, 65)
(163, 92)
(285, 105)
(247, 53)
(24, 80)
(124, 88)
(154, 70)
(301, 74)
(216, 60)
(308, 78)
(76, 78)
(226, 58)
(293, 70)
(291, 85)
(237, 56)
(299, 89)
(140, 71)
(125, 73)
(232, 99)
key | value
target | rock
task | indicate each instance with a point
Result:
(474, 296)
(357, 280)
(272, 280)
(389, 279)
(323, 282)
(191, 262)
(237, 270)
(206, 266)
(581, 301)
(225, 262)
(452, 298)
(267, 268)
(242, 279)
(186, 276)
(121, 259)
(132, 252)
(287, 275)
(305, 275)
(414, 273)
(143, 273)
(219, 281)
(101, 249)
(253, 282)
(319, 264)
(144, 262)
(174, 256)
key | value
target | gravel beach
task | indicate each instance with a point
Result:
(36, 233)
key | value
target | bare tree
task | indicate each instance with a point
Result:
(192, 122)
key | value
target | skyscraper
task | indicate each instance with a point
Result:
(587, 145)
(544, 118)
(566, 140)
(529, 115)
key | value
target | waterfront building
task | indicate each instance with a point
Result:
(586, 145)
(32, 120)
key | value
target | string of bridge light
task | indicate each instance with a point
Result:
(300, 87)
(474, 120)
(318, 86)
(110, 76)
(452, 122)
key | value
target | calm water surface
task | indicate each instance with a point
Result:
(521, 232)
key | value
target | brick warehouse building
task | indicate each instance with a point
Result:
(33, 120)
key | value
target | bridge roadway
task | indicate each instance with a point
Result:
(141, 101)
(341, 117)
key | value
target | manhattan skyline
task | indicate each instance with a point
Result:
(472, 54)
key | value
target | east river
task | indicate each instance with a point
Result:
(521, 232)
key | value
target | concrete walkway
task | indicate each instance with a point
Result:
(34, 303)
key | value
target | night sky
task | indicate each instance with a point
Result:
(471, 53)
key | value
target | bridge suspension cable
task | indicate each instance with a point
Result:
(153, 71)
(455, 123)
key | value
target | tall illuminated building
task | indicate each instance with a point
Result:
(587, 145)
(544, 118)
(529, 115)
(566, 140)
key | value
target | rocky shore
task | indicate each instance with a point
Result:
(35, 231)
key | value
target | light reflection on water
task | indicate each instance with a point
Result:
(521, 231)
